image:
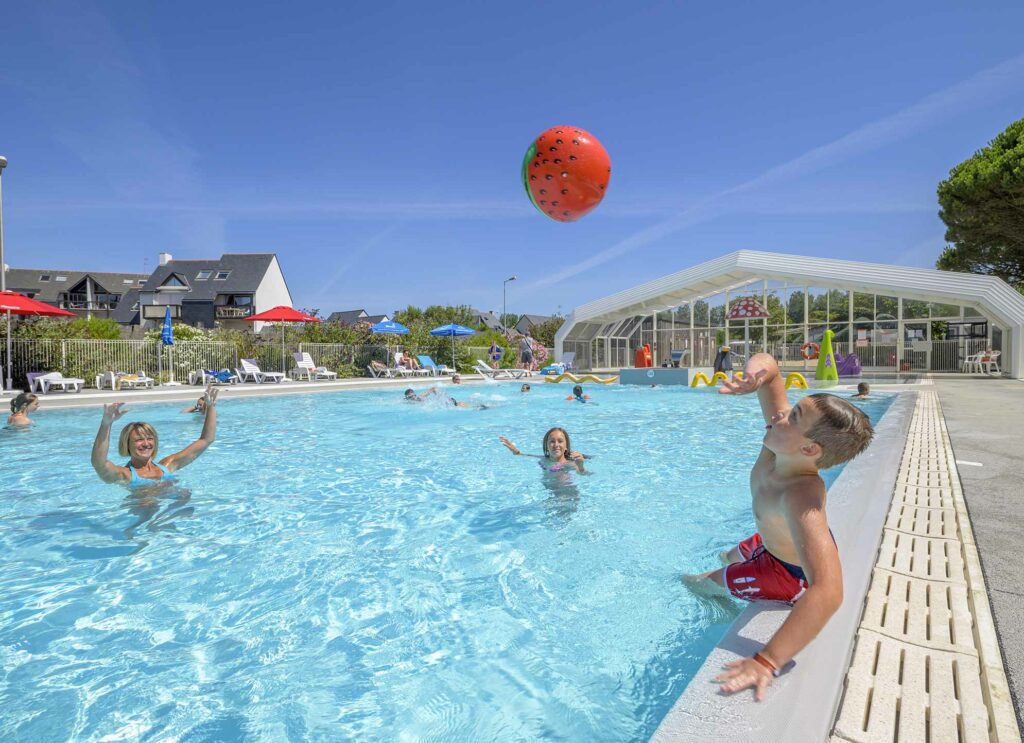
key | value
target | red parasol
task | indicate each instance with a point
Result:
(12, 303)
(282, 314)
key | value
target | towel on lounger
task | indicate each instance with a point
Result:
(220, 376)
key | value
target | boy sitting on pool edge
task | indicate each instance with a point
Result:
(793, 555)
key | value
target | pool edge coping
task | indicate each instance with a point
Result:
(701, 713)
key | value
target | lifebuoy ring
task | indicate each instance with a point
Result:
(810, 356)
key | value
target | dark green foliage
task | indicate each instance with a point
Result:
(982, 204)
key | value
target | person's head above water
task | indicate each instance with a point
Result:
(556, 444)
(524, 388)
(578, 390)
(410, 394)
(138, 441)
(863, 388)
(827, 429)
(456, 379)
(26, 402)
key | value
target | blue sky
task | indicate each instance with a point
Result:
(375, 147)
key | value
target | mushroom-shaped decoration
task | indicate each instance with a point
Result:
(747, 309)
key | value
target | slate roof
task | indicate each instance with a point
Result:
(26, 280)
(351, 317)
(247, 271)
(488, 319)
(124, 313)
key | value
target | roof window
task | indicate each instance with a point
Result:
(221, 275)
(61, 278)
(44, 277)
(127, 281)
(203, 275)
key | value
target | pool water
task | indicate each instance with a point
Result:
(348, 566)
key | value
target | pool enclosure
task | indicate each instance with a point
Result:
(894, 318)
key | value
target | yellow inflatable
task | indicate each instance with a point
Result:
(567, 376)
(796, 379)
(719, 376)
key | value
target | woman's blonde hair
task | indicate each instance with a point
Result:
(22, 401)
(148, 430)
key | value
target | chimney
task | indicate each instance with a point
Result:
(165, 258)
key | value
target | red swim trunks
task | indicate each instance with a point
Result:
(762, 576)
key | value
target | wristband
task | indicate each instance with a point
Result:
(772, 668)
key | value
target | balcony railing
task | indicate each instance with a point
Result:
(233, 311)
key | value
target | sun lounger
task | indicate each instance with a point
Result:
(379, 370)
(43, 381)
(122, 381)
(438, 369)
(304, 367)
(250, 370)
(493, 373)
(209, 376)
(405, 371)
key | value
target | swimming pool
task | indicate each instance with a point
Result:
(350, 566)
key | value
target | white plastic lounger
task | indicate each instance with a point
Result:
(493, 373)
(379, 371)
(428, 363)
(43, 382)
(405, 372)
(120, 381)
(304, 367)
(250, 370)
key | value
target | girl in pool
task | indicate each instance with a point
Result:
(558, 452)
(139, 442)
(199, 407)
(21, 406)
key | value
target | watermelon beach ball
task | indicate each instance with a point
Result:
(566, 173)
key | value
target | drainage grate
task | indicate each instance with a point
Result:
(926, 666)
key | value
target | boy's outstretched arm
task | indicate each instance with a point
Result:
(805, 513)
(761, 374)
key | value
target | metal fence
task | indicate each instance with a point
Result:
(87, 359)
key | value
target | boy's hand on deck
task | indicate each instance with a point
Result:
(743, 674)
(744, 385)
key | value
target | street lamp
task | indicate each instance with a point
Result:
(3, 270)
(504, 308)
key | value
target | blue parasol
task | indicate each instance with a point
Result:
(389, 327)
(167, 336)
(453, 330)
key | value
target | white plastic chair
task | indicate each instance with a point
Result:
(304, 367)
(972, 363)
(250, 370)
(990, 364)
(405, 371)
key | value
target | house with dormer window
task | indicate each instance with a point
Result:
(209, 293)
(86, 293)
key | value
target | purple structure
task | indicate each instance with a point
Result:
(849, 366)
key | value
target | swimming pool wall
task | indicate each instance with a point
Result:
(802, 703)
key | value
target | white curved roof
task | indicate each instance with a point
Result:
(990, 295)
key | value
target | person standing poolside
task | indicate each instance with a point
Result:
(526, 352)
(792, 557)
(21, 406)
(139, 442)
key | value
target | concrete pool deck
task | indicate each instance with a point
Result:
(926, 661)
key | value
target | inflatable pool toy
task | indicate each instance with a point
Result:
(827, 360)
(568, 376)
(566, 172)
(719, 376)
(810, 351)
(849, 366)
(796, 379)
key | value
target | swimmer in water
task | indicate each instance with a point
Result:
(863, 390)
(577, 394)
(524, 388)
(558, 452)
(199, 407)
(444, 397)
(21, 406)
(139, 442)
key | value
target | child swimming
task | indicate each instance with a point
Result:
(139, 442)
(435, 393)
(199, 407)
(792, 557)
(558, 452)
(21, 406)
(863, 390)
(577, 394)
